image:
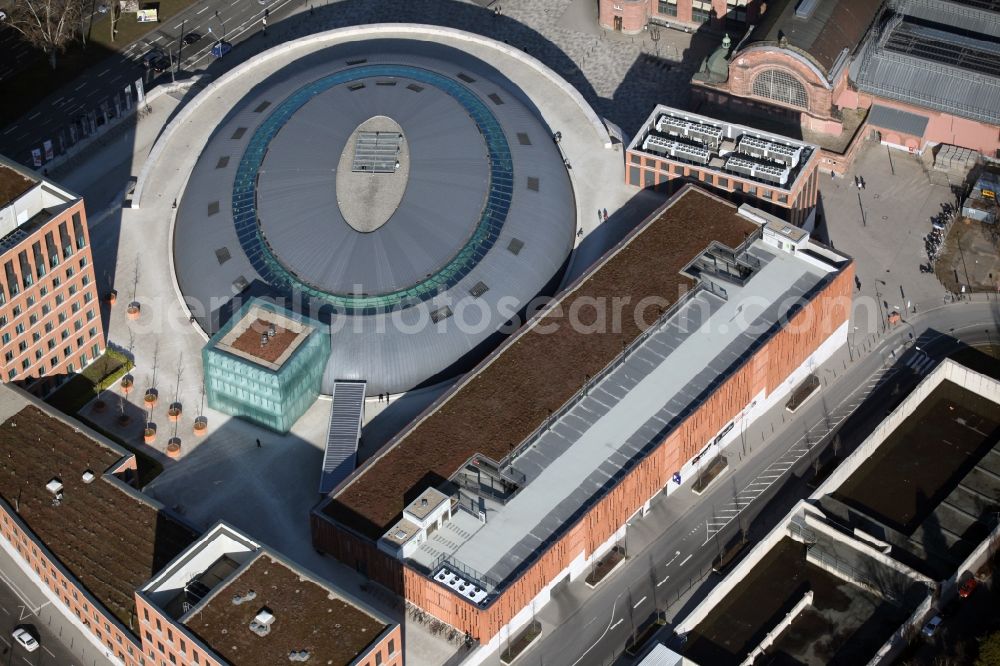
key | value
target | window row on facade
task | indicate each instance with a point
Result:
(20, 272)
(725, 182)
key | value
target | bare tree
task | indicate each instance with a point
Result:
(48, 25)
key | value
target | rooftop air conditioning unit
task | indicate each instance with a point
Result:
(54, 486)
(261, 623)
(88, 476)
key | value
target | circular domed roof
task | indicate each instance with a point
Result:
(386, 186)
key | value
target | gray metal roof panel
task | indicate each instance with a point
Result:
(340, 455)
(393, 352)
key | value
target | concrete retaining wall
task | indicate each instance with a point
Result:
(736, 576)
(773, 635)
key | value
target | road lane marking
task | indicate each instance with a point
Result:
(202, 10)
(103, 73)
(617, 623)
(51, 653)
(34, 115)
(57, 101)
(663, 581)
(636, 604)
(80, 87)
(178, 26)
(684, 561)
(10, 129)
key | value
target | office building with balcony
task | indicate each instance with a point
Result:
(50, 319)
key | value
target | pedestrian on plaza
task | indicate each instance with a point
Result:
(499, 10)
(605, 214)
(599, 216)
(258, 443)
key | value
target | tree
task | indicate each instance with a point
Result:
(48, 25)
(989, 650)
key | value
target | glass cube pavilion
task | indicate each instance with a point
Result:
(266, 365)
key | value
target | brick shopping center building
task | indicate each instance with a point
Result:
(527, 471)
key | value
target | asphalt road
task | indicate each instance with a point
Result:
(22, 604)
(668, 552)
(232, 20)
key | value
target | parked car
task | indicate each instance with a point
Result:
(151, 55)
(192, 37)
(221, 48)
(932, 626)
(160, 65)
(968, 587)
(24, 638)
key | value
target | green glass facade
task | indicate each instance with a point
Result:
(274, 399)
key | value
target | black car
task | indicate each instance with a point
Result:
(192, 37)
(160, 64)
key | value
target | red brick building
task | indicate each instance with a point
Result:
(473, 514)
(632, 16)
(911, 75)
(50, 320)
(72, 518)
(771, 172)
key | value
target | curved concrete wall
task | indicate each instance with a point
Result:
(449, 36)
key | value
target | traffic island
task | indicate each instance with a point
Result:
(521, 642)
(802, 393)
(646, 631)
(605, 566)
(710, 474)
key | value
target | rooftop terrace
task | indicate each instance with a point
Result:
(109, 539)
(307, 617)
(13, 184)
(264, 337)
(539, 369)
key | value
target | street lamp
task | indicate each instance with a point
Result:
(850, 347)
(223, 24)
(883, 318)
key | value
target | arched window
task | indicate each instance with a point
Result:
(781, 87)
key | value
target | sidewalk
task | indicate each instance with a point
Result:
(62, 642)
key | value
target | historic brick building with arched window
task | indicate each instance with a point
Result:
(910, 75)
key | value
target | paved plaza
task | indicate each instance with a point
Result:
(883, 227)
